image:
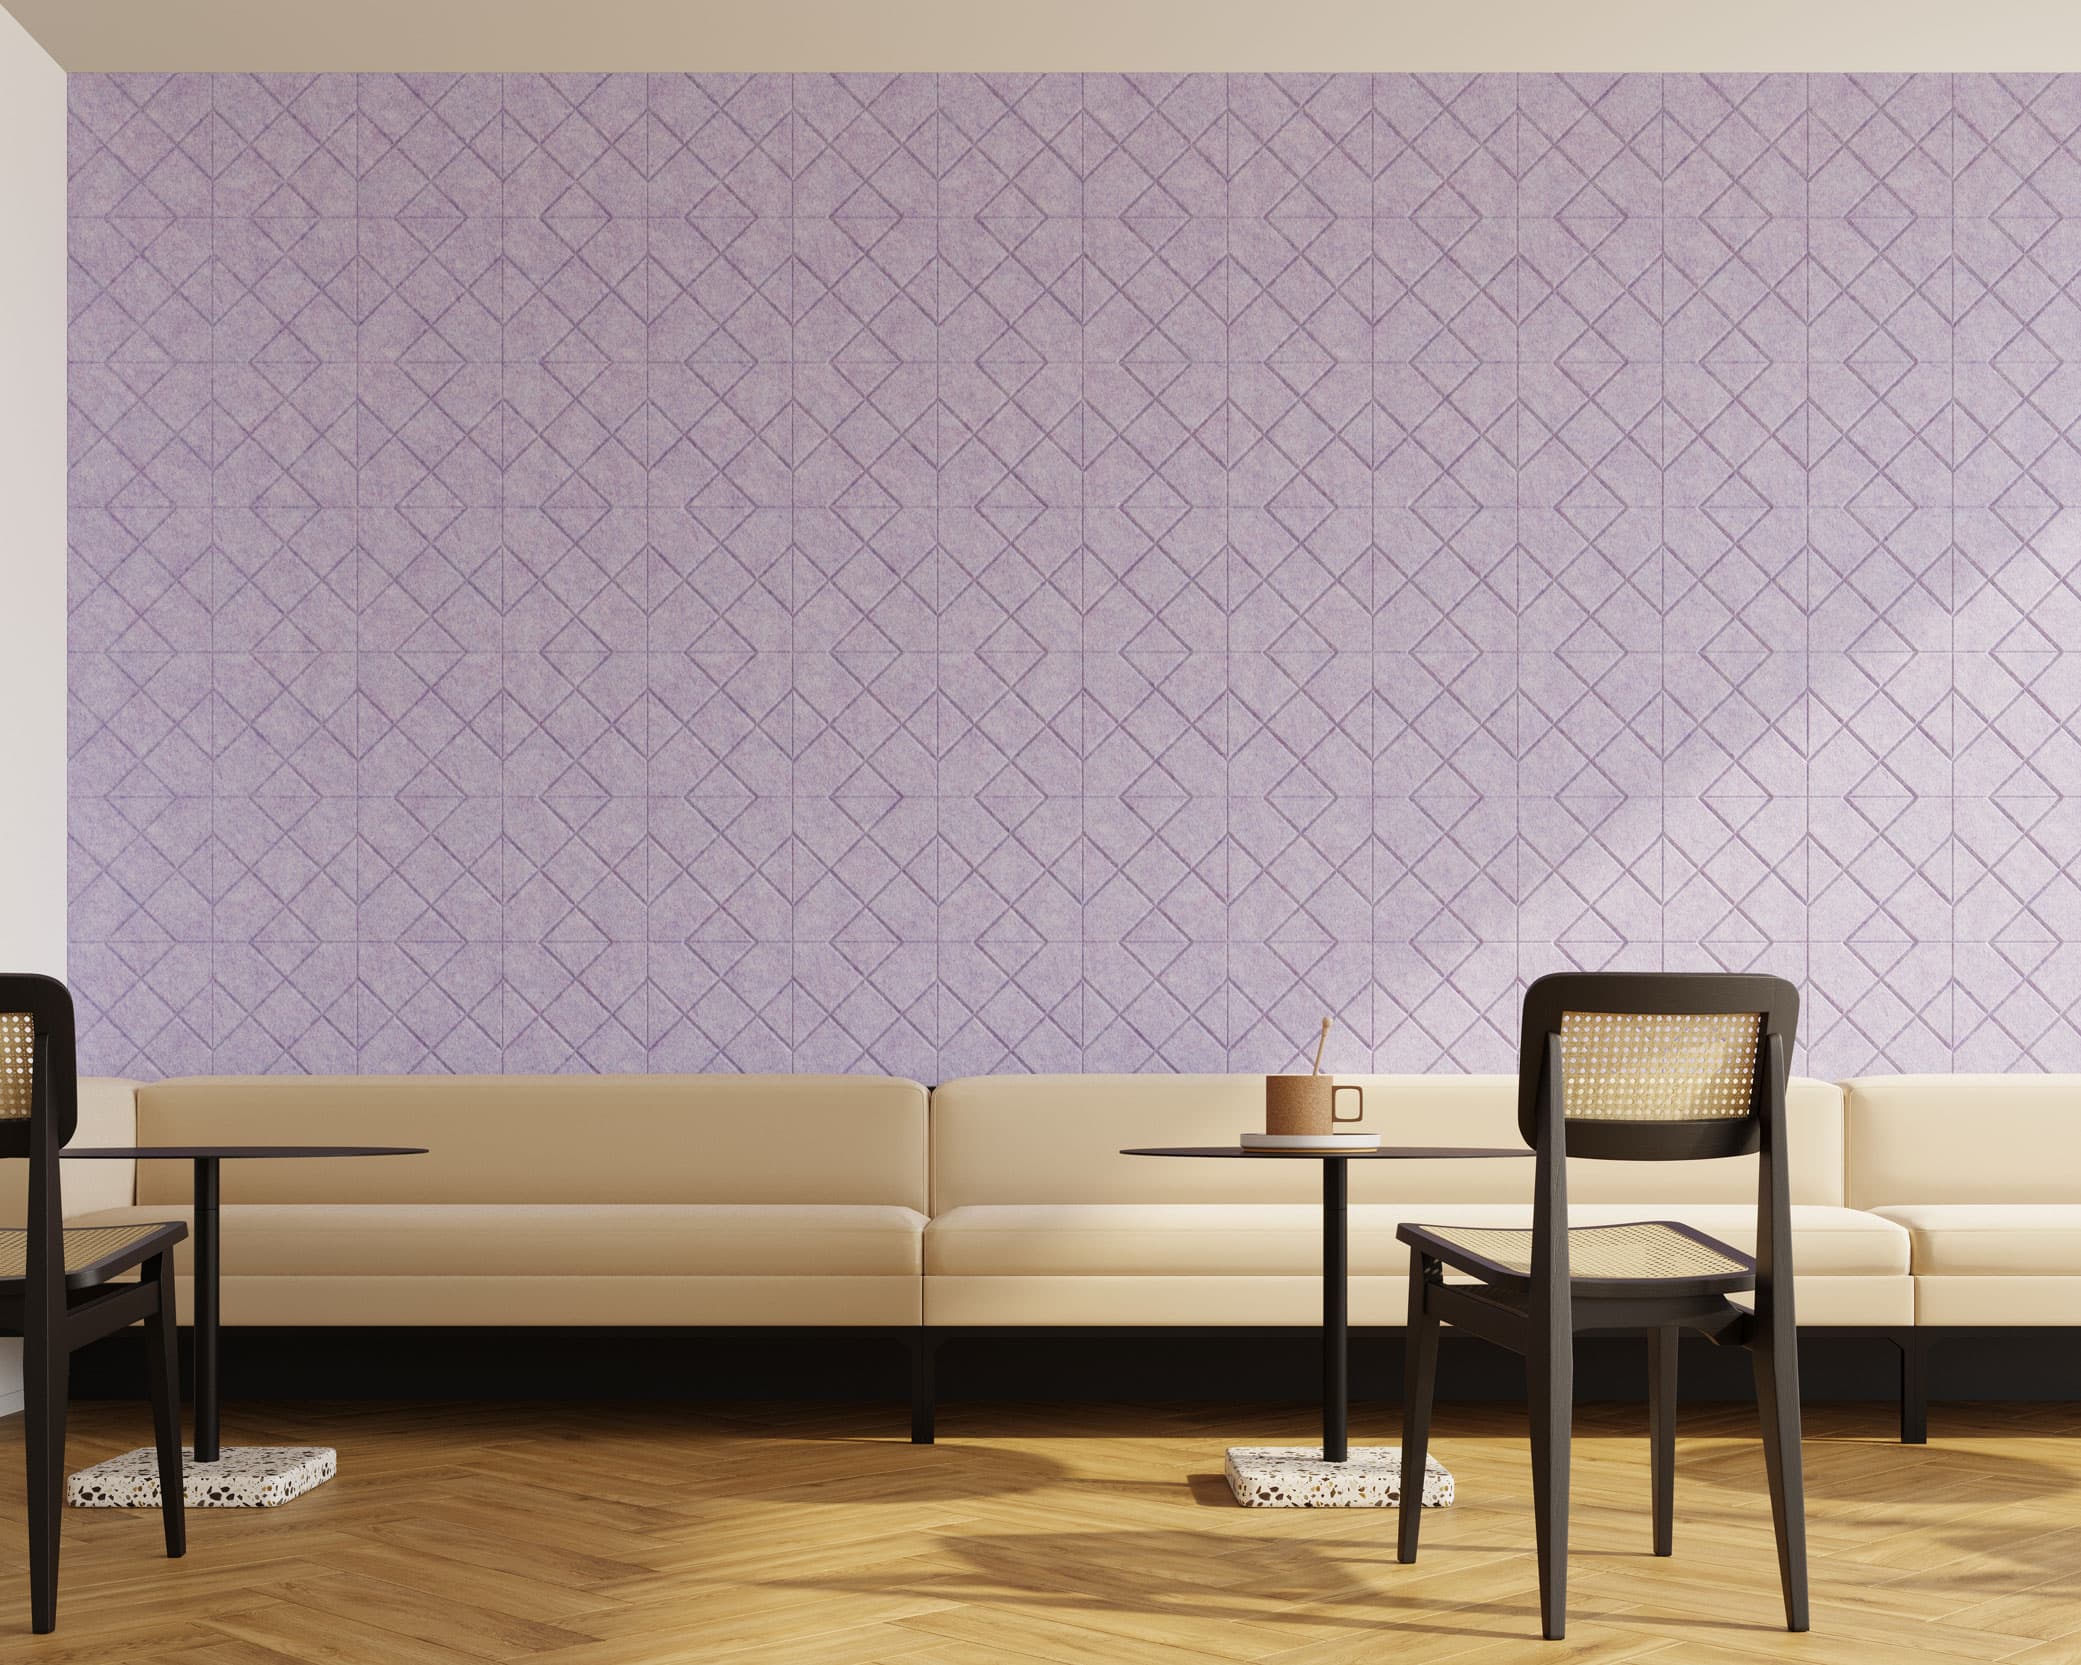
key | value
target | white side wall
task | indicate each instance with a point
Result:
(32, 524)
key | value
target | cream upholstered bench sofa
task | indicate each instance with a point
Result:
(543, 1200)
(1038, 1221)
(1921, 1203)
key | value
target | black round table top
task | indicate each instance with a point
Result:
(271, 1153)
(1378, 1153)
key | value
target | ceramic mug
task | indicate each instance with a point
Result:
(1307, 1103)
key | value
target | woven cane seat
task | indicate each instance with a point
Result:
(93, 1253)
(1647, 1249)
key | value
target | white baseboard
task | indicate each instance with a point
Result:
(10, 1403)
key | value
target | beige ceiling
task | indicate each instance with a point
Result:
(1055, 34)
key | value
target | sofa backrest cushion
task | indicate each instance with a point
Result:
(552, 1138)
(1055, 1138)
(1963, 1139)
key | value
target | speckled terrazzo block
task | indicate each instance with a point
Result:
(1296, 1477)
(245, 1477)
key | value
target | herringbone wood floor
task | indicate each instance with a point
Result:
(617, 1535)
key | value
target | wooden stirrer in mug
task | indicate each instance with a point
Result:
(1319, 1045)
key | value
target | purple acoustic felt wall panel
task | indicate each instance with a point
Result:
(958, 573)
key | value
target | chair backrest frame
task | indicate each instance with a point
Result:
(1652, 994)
(54, 1083)
(1554, 1137)
(43, 1133)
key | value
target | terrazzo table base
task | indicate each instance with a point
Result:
(245, 1477)
(1296, 1477)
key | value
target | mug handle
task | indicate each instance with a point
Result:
(1348, 1087)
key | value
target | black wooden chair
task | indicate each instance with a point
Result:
(1630, 1067)
(56, 1291)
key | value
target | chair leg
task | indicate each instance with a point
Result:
(1914, 1387)
(1419, 1391)
(46, 1372)
(1661, 1431)
(1550, 1395)
(924, 1388)
(166, 1408)
(1777, 1398)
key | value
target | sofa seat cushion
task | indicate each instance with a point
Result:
(1285, 1239)
(1992, 1239)
(363, 1240)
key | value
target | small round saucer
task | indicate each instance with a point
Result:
(1311, 1141)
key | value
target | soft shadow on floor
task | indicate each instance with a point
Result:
(1157, 1575)
(1200, 1577)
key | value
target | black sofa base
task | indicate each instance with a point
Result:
(1066, 1364)
(1608, 1367)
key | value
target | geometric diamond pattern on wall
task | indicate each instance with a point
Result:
(957, 573)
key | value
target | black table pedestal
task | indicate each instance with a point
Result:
(1336, 1312)
(207, 1321)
